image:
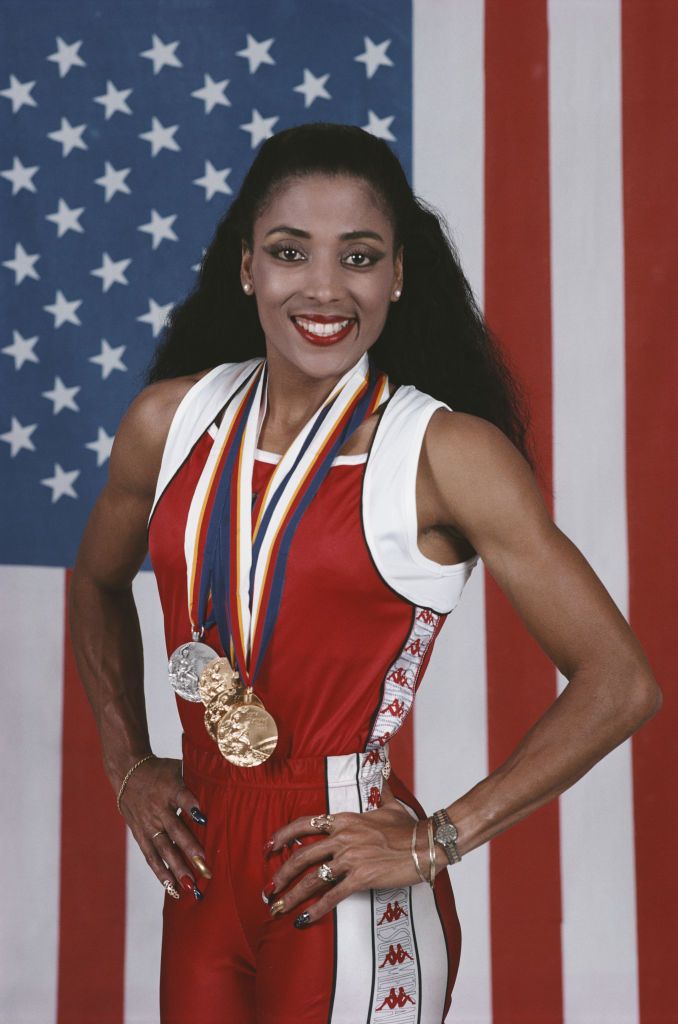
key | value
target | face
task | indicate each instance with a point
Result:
(303, 265)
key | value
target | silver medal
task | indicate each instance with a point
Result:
(185, 668)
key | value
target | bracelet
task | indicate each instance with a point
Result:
(431, 853)
(415, 858)
(126, 779)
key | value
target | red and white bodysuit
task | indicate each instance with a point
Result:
(360, 611)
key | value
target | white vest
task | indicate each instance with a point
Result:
(388, 504)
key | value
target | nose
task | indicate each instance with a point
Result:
(323, 280)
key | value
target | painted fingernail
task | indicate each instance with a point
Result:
(196, 892)
(267, 892)
(277, 907)
(198, 816)
(268, 846)
(303, 920)
(188, 883)
(201, 866)
(171, 889)
(295, 842)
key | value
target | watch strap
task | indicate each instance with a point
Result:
(441, 821)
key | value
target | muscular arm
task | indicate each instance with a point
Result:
(485, 491)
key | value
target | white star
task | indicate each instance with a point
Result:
(196, 266)
(22, 264)
(66, 56)
(161, 137)
(62, 396)
(21, 350)
(312, 88)
(374, 56)
(109, 359)
(67, 218)
(113, 181)
(18, 437)
(213, 180)
(69, 135)
(63, 310)
(62, 482)
(212, 94)
(160, 228)
(114, 100)
(256, 53)
(19, 93)
(156, 316)
(259, 127)
(102, 446)
(162, 55)
(20, 176)
(111, 271)
(379, 126)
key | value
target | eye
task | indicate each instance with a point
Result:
(283, 247)
(366, 259)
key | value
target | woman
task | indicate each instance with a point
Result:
(314, 508)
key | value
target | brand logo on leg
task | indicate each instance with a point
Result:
(395, 956)
(396, 1000)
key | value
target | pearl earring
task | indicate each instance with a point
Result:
(397, 293)
(247, 288)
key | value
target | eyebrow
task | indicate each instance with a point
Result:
(298, 233)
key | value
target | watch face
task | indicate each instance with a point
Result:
(446, 834)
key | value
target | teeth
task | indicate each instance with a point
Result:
(322, 330)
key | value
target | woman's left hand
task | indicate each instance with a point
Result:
(365, 851)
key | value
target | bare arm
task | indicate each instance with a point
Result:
(106, 636)
(486, 492)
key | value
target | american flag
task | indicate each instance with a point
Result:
(545, 132)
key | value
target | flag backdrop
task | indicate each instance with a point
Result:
(546, 134)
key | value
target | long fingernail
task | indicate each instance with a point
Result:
(303, 920)
(196, 892)
(198, 816)
(201, 866)
(277, 907)
(171, 889)
(188, 883)
(267, 892)
(295, 842)
(268, 846)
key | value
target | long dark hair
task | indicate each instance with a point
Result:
(434, 337)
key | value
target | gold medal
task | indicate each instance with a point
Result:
(219, 677)
(222, 704)
(247, 735)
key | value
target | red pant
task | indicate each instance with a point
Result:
(226, 961)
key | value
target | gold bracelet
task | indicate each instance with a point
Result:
(431, 853)
(415, 858)
(126, 779)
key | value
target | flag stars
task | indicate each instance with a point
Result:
(67, 56)
(114, 100)
(18, 437)
(109, 359)
(63, 310)
(23, 264)
(256, 52)
(212, 94)
(379, 126)
(62, 396)
(111, 272)
(156, 316)
(113, 181)
(19, 93)
(214, 181)
(21, 350)
(20, 176)
(259, 127)
(61, 483)
(102, 446)
(160, 228)
(70, 136)
(67, 218)
(313, 88)
(162, 55)
(161, 137)
(374, 56)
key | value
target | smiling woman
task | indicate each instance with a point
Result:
(313, 508)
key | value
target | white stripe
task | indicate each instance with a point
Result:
(597, 854)
(145, 895)
(451, 707)
(32, 613)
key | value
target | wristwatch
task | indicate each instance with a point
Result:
(445, 835)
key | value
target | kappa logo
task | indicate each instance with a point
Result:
(396, 1000)
(427, 616)
(400, 678)
(414, 647)
(395, 956)
(392, 913)
(372, 758)
(395, 708)
(374, 799)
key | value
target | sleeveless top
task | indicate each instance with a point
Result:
(361, 604)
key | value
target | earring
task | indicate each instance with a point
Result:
(397, 293)
(247, 287)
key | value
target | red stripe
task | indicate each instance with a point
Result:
(650, 158)
(92, 883)
(525, 902)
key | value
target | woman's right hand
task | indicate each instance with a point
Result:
(154, 794)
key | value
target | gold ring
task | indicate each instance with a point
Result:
(160, 833)
(325, 872)
(323, 822)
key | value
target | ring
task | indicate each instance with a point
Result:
(325, 872)
(323, 822)
(160, 833)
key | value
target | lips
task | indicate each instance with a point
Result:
(319, 338)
